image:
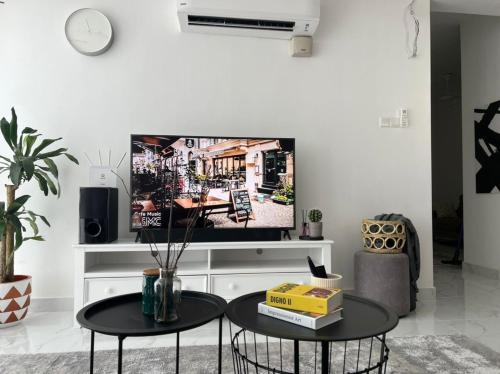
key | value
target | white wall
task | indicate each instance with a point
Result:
(157, 80)
(481, 86)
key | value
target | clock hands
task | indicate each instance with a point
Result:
(88, 26)
(91, 31)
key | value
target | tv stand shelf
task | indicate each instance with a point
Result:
(228, 269)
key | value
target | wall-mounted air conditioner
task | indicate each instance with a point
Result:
(281, 19)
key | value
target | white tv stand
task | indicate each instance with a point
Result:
(228, 269)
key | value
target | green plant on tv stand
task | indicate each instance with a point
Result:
(315, 215)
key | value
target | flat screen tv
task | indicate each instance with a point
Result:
(250, 184)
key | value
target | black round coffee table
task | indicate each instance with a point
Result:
(363, 319)
(121, 316)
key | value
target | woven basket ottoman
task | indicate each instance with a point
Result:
(384, 278)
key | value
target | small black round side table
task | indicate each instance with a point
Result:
(363, 319)
(121, 316)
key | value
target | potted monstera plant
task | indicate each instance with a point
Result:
(31, 159)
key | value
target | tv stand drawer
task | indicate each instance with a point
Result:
(102, 288)
(230, 286)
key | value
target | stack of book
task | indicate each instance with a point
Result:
(303, 305)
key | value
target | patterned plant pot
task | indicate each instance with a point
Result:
(14, 300)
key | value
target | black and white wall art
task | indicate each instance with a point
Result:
(487, 149)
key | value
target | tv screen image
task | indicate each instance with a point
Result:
(250, 182)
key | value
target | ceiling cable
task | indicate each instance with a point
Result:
(409, 16)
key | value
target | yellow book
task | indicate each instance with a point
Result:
(304, 298)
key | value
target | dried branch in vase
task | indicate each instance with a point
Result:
(193, 219)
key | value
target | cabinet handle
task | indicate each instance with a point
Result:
(108, 291)
(231, 286)
(187, 288)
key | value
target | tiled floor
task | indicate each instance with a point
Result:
(465, 304)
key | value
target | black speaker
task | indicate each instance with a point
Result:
(98, 215)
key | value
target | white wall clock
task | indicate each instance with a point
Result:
(89, 32)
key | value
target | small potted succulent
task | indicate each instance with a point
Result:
(315, 224)
(30, 160)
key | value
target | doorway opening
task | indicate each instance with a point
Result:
(446, 96)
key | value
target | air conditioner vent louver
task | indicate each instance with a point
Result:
(277, 19)
(240, 23)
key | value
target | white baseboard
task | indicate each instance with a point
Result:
(426, 294)
(481, 270)
(51, 304)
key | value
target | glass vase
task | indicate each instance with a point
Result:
(167, 296)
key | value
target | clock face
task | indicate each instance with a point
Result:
(89, 32)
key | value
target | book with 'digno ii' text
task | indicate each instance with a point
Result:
(304, 298)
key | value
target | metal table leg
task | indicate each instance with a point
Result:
(382, 346)
(120, 352)
(296, 356)
(325, 362)
(92, 333)
(220, 344)
(177, 355)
